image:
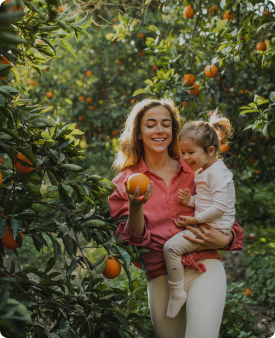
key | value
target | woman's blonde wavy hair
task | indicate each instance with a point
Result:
(131, 147)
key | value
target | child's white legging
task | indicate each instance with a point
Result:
(201, 315)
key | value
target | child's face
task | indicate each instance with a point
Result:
(194, 155)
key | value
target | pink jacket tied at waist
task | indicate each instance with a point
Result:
(159, 213)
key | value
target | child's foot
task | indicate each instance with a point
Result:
(177, 299)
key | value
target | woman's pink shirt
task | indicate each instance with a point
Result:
(159, 213)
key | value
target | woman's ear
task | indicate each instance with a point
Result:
(211, 151)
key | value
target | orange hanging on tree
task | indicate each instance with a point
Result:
(228, 15)
(4, 61)
(8, 240)
(211, 71)
(195, 91)
(225, 148)
(112, 269)
(261, 46)
(189, 79)
(21, 167)
(188, 12)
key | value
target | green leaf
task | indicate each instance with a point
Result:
(95, 224)
(16, 74)
(33, 190)
(51, 217)
(272, 96)
(72, 167)
(101, 267)
(68, 46)
(250, 111)
(139, 91)
(109, 36)
(81, 207)
(72, 266)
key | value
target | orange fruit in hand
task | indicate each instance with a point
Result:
(228, 15)
(8, 241)
(20, 167)
(188, 12)
(113, 268)
(49, 94)
(137, 180)
(225, 148)
(247, 292)
(214, 10)
(195, 91)
(89, 73)
(4, 61)
(189, 79)
(211, 71)
(261, 46)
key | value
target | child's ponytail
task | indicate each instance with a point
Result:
(222, 126)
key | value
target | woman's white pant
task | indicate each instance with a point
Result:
(201, 316)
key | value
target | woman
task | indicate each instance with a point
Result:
(149, 145)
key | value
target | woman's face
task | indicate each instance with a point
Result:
(156, 129)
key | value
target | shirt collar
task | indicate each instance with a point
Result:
(142, 166)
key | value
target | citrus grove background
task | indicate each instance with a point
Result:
(69, 74)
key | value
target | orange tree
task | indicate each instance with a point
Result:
(45, 196)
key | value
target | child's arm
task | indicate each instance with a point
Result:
(185, 198)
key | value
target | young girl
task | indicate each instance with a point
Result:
(214, 201)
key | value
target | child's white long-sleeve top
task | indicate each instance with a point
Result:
(214, 201)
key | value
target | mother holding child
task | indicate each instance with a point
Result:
(186, 214)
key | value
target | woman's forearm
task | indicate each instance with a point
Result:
(136, 219)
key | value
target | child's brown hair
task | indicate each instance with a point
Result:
(215, 133)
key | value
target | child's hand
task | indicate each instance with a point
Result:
(186, 220)
(184, 196)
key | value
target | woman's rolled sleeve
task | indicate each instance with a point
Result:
(131, 237)
(238, 237)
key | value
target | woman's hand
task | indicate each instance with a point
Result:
(139, 200)
(208, 237)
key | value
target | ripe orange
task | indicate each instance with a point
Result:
(49, 94)
(81, 98)
(189, 79)
(228, 15)
(241, 91)
(252, 236)
(137, 180)
(140, 35)
(266, 13)
(8, 241)
(247, 292)
(224, 148)
(60, 9)
(88, 100)
(89, 73)
(219, 78)
(93, 107)
(184, 103)
(261, 46)
(228, 166)
(114, 132)
(141, 53)
(243, 38)
(224, 90)
(4, 61)
(211, 71)
(155, 67)
(99, 129)
(133, 101)
(14, 8)
(252, 160)
(2, 161)
(257, 171)
(114, 20)
(20, 167)
(81, 118)
(214, 10)
(195, 91)
(113, 268)
(76, 126)
(1, 178)
(188, 12)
